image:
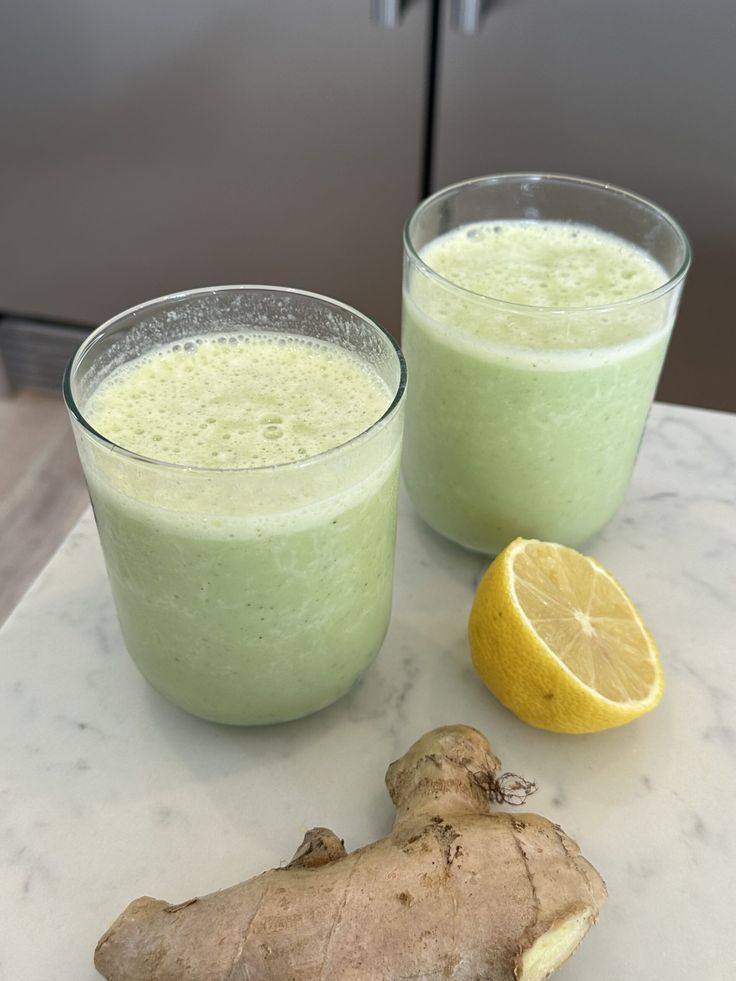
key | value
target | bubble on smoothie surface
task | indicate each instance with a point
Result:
(243, 400)
(545, 264)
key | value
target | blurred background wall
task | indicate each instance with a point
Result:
(157, 145)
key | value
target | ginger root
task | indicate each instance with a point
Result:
(454, 891)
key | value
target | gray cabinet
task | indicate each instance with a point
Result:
(639, 94)
(148, 148)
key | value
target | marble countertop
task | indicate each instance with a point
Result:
(107, 792)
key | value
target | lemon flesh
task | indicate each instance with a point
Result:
(559, 643)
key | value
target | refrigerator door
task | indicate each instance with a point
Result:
(638, 94)
(149, 148)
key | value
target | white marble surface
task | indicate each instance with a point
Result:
(107, 792)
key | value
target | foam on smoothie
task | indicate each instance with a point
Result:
(238, 400)
(545, 264)
(561, 267)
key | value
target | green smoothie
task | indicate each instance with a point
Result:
(524, 416)
(247, 595)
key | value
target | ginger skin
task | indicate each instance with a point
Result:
(455, 891)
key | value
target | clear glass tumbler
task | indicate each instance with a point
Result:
(525, 417)
(246, 596)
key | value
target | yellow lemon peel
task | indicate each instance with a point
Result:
(559, 643)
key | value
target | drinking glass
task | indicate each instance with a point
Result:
(524, 419)
(246, 595)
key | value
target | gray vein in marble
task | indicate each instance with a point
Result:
(716, 592)
(640, 875)
(720, 731)
(710, 449)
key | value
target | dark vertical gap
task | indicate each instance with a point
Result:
(430, 97)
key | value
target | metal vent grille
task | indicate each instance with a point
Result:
(33, 354)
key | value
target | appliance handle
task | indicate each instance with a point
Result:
(467, 16)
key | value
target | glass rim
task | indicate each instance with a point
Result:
(674, 280)
(116, 448)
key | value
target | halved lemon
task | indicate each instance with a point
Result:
(558, 641)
